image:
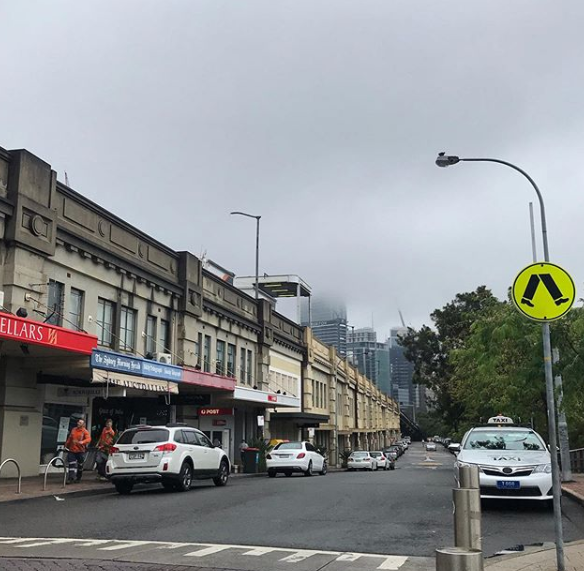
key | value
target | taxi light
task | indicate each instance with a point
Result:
(114, 449)
(168, 447)
(301, 455)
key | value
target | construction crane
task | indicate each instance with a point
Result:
(401, 317)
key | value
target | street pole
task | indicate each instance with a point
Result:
(257, 248)
(547, 359)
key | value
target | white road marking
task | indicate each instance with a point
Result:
(349, 557)
(258, 551)
(46, 542)
(124, 545)
(299, 556)
(393, 562)
(207, 551)
(12, 540)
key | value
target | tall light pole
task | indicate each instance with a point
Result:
(257, 251)
(444, 160)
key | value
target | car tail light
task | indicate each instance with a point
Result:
(114, 449)
(165, 467)
(168, 447)
(269, 456)
(301, 455)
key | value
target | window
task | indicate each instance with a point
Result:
(150, 347)
(203, 440)
(220, 364)
(127, 329)
(190, 437)
(164, 339)
(241, 375)
(55, 303)
(207, 356)
(179, 437)
(249, 367)
(76, 309)
(231, 355)
(199, 349)
(106, 311)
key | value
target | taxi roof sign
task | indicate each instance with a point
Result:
(500, 419)
(543, 292)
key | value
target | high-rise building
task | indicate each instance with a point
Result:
(370, 356)
(328, 319)
(409, 396)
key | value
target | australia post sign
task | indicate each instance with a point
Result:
(109, 361)
(32, 332)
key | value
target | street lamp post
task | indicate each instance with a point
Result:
(444, 160)
(257, 250)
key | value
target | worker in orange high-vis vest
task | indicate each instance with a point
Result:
(76, 446)
(104, 446)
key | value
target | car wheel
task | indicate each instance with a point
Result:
(309, 469)
(124, 488)
(185, 478)
(288, 474)
(223, 475)
(324, 469)
(272, 473)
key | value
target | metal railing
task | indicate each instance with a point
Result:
(54, 461)
(17, 467)
(577, 460)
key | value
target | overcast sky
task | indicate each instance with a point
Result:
(324, 117)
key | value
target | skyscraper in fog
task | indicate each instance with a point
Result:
(401, 372)
(328, 320)
(370, 356)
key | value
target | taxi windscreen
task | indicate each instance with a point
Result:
(503, 440)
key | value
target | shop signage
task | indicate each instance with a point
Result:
(272, 398)
(210, 411)
(219, 422)
(131, 382)
(38, 333)
(110, 361)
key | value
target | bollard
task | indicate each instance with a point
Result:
(467, 509)
(459, 559)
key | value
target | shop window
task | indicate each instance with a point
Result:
(249, 368)
(220, 364)
(207, 355)
(76, 308)
(164, 338)
(150, 346)
(241, 375)
(55, 303)
(127, 329)
(58, 420)
(199, 350)
(231, 360)
(106, 312)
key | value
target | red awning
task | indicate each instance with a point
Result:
(195, 377)
(28, 331)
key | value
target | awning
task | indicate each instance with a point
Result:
(132, 382)
(264, 397)
(304, 419)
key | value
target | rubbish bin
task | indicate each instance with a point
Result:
(251, 460)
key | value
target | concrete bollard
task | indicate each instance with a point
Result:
(467, 510)
(459, 559)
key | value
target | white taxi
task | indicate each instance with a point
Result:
(513, 461)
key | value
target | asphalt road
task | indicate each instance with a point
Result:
(403, 512)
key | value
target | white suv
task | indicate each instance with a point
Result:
(172, 455)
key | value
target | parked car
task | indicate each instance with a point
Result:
(290, 457)
(391, 453)
(398, 449)
(173, 455)
(361, 460)
(383, 461)
(454, 448)
(430, 447)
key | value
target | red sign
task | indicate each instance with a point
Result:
(219, 422)
(210, 411)
(37, 333)
(194, 377)
(272, 398)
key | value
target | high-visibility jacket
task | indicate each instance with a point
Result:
(78, 440)
(106, 440)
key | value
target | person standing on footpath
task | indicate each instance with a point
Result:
(243, 446)
(104, 446)
(76, 446)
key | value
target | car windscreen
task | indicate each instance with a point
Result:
(503, 440)
(359, 454)
(289, 446)
(141, 436)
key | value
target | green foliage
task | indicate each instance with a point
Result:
(345, 457)
(264, 449)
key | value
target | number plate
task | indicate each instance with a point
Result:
(136, 456)
(508, 485)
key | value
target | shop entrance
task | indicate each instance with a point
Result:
(219, 437)
(58, 420)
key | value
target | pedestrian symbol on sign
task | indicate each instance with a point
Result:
(550, 301)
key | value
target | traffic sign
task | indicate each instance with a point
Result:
(544, 292)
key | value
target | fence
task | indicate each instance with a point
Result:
(577, 460)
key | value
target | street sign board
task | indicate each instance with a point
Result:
(543, 292)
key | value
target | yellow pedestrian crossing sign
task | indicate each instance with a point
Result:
(544, 291)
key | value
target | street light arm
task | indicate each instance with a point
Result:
(245, 214)
(546, 253)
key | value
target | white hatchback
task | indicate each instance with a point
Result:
(172, 455)
(513, 462)
(290, 457)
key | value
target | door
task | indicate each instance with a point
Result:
(317, 459)
(209, 455)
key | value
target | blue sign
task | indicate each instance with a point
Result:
(135, 366)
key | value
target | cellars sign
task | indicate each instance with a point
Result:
(28, 331)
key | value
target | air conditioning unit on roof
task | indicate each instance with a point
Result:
(164, 358)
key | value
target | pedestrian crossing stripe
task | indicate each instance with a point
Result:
(543, 292)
